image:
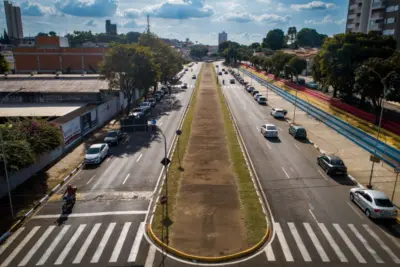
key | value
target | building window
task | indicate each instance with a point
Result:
(392, 8)
(388, 32)
(390, 20)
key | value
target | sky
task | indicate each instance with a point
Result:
(245, 21)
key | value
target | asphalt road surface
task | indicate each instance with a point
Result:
(106, 226)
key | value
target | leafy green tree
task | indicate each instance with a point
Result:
(42, 34)
(132, 37)
(297, 63)
(129, 68)
(52, 33)
(198, 51)
(279, 60)
(255, 46)
(5, 39)
(292, 34)
(310, 37)
(223, 46)
(274, 39)
(4, 66)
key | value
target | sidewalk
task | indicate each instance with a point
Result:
(330, 141)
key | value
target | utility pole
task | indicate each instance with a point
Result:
(148, 24)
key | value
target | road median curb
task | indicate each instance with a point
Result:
(190, 257)
(19, 223)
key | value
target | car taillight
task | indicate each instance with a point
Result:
(377, 210)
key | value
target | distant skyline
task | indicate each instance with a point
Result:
(245, 21)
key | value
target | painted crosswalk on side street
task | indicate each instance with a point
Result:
(325, 243)
(73, 244)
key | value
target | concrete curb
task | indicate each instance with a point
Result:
(19, 223)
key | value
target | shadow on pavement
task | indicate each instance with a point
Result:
(343, 180)
(274, 140)
(301, 140)
(390, 227)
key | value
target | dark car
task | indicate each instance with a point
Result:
(232, 81)
(254, 92)
(113, 137)
(157, 96)
(297, 131)
(152, 101)
(219, 73)
(332, 164)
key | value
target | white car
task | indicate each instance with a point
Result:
(262, 100)
(96, 153)
(269, 130)
(375, 204)
(256, 96)
(278, 113)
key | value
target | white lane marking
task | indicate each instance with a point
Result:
(270, 253)
(351, 206)
(103, 243)
(257, 128)
(297, 146)
(11, 239)
(322, 174)
(312, 214)
(160, 124)
(108, 159)
(140, 156)
(53, 245)
(282, 241)
(287, 175)
(250, 117)
(70, 244)
(316, 243)
(332, 242)
(120, 242)
(268, 146)
(87, 243)
(394, 240)
(136, 243)
(349, 244)
(126, 178)
(280, 129)
(365, 243)
(299, 242)
(90, 214)
(150, 256)
(383, 245)
(90, 179)
(36, 246)
(20, 246)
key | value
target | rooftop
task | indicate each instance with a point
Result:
(38, 110)
(48, 83)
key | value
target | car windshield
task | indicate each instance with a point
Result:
(338, 162)
(93, 150)
(261, 98)
(112, 134)
(271, 128)
(383, 202)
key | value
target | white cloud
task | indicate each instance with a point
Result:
(264, 1)
(133, 25)
(173, 9)
(273, 18)
(245, 17)
(33, 9)
(326, 20)
(239, 17)
(88, 8)
(314, 5)
(91, 23)
(341, 21)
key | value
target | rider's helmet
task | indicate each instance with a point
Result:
(69, 186)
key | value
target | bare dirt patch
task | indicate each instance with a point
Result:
(209, 220)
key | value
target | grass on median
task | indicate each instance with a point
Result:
(174, 174)
(255, 222)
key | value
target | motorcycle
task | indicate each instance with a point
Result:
(69, 203)
(223, 81)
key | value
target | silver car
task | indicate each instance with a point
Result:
(375, 204)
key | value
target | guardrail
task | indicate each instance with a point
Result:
(387, 153)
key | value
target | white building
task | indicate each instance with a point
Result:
(222, 37)
(14, 22)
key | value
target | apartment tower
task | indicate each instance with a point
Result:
(14, 21)
(374, 15)
(222, 37)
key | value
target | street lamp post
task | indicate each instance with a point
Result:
(395, 184)
(3, 153)
(295, 100)
(379, 125)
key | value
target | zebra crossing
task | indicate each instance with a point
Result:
(330, 243)
(73, 244)
(231, 86)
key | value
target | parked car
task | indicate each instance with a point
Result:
(223, 69)
(297, 131)
(254, 92)
(184, 86)
(152, 102)
(250, 89)
(219, 73)
(262, 100)
(232, 81)
(226, 72)
(137, 113)
(278, 113)
(145, 104)
(113, 137)
(256, 96)
(312, 85)
(165, 89)
(375, 204)
(301, 81)
(96, 153)
(157, 96)
(269, 130)
(332, 164)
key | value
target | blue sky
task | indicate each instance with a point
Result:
(245, 21)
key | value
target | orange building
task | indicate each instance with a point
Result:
(51, 55)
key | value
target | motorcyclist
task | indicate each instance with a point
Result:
(191, 69)
(69, 193)
(223, 81)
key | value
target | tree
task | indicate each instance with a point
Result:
(5, 39)
(255, 46)
(42, 34)
(369, 85)
(292, 33)
(4, 66)
(310, 37)
(132, 37)
(342, 54)
(129, 68)
(297, 63)
(198, 51)
(52, 33)
(274, 40)
(279, 60)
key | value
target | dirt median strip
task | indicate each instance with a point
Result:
(215, 208)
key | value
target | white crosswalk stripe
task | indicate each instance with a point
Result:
(136, 243)
(325, 239)
(103, 243)
(120, 242)
(11, 240)
(87, 243)
(70, 244)
(53, 245)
